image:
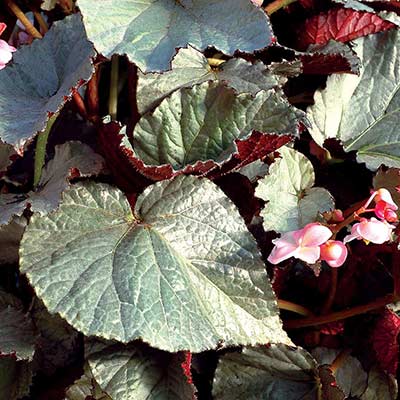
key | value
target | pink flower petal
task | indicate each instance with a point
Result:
(334, 253)
(5, 57)
(281, 253)
(3, 27)
(315, 234)
(288, 238)
(308, 254)
(6, 47)
(374, 231)
(384, 195)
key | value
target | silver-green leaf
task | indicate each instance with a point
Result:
(190, 67)
(137, 372)
(150, 31)
(181, 273)
(363, 111)
(41, 78)
(201, 123)
(272, 373)
(292, 201)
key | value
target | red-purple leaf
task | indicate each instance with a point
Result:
(340, 24)
(385, 343)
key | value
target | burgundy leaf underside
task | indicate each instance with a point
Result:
(342, 25)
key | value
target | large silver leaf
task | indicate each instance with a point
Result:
(182, 272)
(150, 31)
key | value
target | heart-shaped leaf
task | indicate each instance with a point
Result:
(41, 78)
(292, 201)
(150, 31)
(181, 273)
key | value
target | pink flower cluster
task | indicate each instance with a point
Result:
(374, 230)
(309, 244)
(5, 49)
(313, 243)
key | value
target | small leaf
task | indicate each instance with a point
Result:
(137, 372)
(17, 336)
(276, 372)
(182, 273)
(350, 377)
(292, 202)
(172, 135)
(342, 25)
(41, 78)
(362, 111)
(380, 386)
(86, 387)
(10, 238)
(15, 378)
(55, 178)
(149, 32)
(190, 67)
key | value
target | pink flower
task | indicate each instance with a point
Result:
(334, 253)
(302, 244)
(385, 207)
(5, 49)
(372, 230)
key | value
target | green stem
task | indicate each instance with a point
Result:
(40, 150)
(113, 98)
(277, 5)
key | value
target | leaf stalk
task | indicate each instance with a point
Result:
(40, 150)
(277, 5)
(24, 20)
(113, 96)
(340, 315)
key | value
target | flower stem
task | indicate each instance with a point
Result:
(298, 309)
(40, 150)
(24, 20)
(113, 97)
(339, 315)
(277, 5)
(332, 291)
